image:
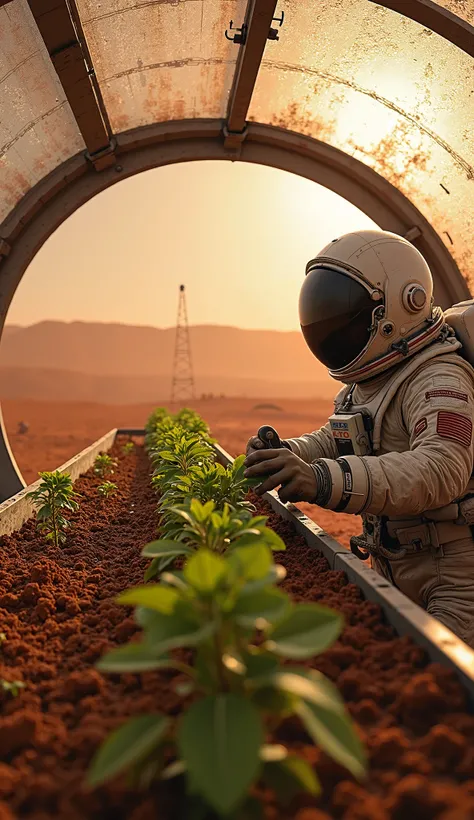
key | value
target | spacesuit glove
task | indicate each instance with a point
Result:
(254, 443)
(282, 468)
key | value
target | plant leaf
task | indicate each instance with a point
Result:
(164, 632)
(252, 562)
(259, 665)
(290, 777)
(157, 597)
(152, 570)
(131, 742)
(135, 657)
(205, 570)
(165, 547)
(267, 604)
(272, 539)
(322, 711)
(334, 731)
(306, 631)
(219, 739)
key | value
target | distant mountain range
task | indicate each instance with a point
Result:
(118, 364)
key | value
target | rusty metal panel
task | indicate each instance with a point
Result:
(57, 30)
(37, 128)
(462, 8)
(162, 61)
(387, 91)
(439, 18)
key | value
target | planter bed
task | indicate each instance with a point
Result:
(58, 612)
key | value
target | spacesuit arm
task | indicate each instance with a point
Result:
(311, 446)
(436, 408)
(320, 443)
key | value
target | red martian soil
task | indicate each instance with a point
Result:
(59, 615)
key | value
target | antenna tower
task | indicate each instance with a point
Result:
(182, 386)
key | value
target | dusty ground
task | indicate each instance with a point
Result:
(58, 431)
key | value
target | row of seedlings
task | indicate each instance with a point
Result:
(217, 595)
(54, 500)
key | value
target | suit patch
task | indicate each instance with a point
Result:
(420, 425)
(446, 393)
(455, 427)
(447, 381)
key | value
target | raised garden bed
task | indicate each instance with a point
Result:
(59, 616)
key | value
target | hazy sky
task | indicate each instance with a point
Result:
(237, 235)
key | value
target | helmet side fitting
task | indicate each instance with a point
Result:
(370, 292)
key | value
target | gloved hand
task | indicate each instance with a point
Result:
(253, 444)
(297, 479)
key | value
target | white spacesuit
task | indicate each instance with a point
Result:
(399, 448)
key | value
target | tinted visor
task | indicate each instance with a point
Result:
(335, 316)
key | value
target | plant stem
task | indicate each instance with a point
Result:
(53, 515)
(218, 650)
(183, 667)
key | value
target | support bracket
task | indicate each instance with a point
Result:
(104, 157)
(412, 234)
(5, 248)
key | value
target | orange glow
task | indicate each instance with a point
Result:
(237, 235)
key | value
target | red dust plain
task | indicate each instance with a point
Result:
(59, 430)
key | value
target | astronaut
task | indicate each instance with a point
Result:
(399, 448)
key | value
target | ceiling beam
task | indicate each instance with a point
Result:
(62, 39)
(257, 25)
(438, 19)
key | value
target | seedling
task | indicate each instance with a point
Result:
(54, 498)
(12, 687)
(241, 628)
(107, 489)
(194, 525)
(104, 465)
(128, 448)
(213, 482)
(3, 637)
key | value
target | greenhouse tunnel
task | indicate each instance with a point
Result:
(372, 100)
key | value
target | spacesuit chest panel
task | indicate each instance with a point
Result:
(351, 427)
(351, 432)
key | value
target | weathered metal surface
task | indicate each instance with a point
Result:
(433, 16)
(59, 34)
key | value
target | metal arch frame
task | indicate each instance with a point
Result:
(60, 27)
(258, 20)
(438, 19)
(56, 197)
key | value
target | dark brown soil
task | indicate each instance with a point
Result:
(57, 610)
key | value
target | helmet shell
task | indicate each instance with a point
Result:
(397, 278)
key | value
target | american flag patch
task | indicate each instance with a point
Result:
(455, 427)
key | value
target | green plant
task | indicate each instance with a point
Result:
(240, 626)
(107, 489)
(213, 482)
(128, 448)
(53, 498)
(104, 465)
(194, 525)
(12, 687)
